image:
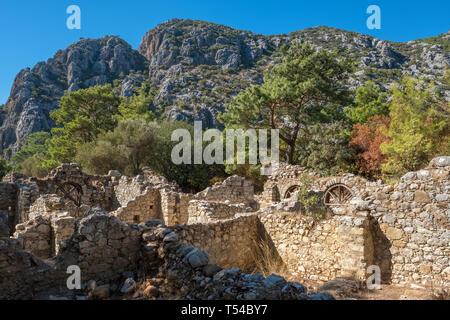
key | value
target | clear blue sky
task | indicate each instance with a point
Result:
(32, 31)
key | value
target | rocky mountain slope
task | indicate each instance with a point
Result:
(197, 68)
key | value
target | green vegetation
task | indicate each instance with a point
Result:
(440, 40)
(302, 91)
(323, 126)
(27, 160)
(4, 167)
(418, 130)
(369, 101)
(312, 202)
(139, 106)
(324, 148)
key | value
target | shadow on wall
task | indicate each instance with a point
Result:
(265, 255)
(382, 256)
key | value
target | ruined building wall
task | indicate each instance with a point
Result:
(235, 189)
(411, 227)
(43, 236)
(228, 243)
(406, 226)
(83, 191)
(8, 202)
(206, 211)
(36, 236)
(146, 206)
(319, 250)
(102, 246)
(174, 206)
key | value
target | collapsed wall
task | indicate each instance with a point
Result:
(234, 189)
(106, 250)
(229, 243)
(101, 246)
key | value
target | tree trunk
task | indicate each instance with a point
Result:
(291, 145)
(290, 153)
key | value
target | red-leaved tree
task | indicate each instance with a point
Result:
(366, 139)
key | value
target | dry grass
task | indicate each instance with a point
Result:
(267, 260)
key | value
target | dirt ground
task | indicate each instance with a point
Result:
(349, 289)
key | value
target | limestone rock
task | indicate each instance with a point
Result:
(129, 286)
(197, 258)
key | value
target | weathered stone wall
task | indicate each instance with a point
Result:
(62, 228)
(287, 177)
(235, 189)
(319, 250)
(145, 206)
(36, 236)
(79, 190)
(229, 243)
(406, 226)
(8, 202)
(411, 227)
(174, 206)
(22, 274)
(102, 246)
(206, 211)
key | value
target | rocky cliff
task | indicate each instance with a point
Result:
(197, 67)
(35, 92)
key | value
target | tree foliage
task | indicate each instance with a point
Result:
(127, 149)
(135, 143)
(306, 88)
(366, 139)
(4, 167)
(324, 148)
(419, 129)
(30, 157)
(369, 101)
(82, 116)
(140, 105)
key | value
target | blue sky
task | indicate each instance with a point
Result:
(32, 31)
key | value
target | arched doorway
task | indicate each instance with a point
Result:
(290, 192)
(338, 195)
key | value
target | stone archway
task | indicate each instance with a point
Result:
(337, 195)
(290, 191)
(71, 191)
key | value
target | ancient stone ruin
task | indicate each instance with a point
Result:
(118, 229)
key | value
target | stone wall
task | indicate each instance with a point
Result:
(229, 243)
(146, 206)
(174, 206)
(405, 226)
(319, 250)
(36, 236)
(105, 249)
(235, 189)
(102, 246)
(79, 190)
(22, 274)
(206, 211)
(8, 202)
(411, 227)
(62, 228)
